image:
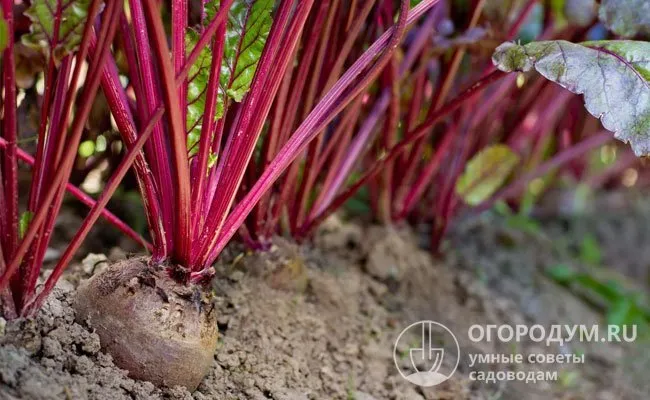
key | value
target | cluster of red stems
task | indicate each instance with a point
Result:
(345, 95)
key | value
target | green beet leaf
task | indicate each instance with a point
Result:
(43, 36)
(486, 173)
(196, 93)
(249, 23)
(613, 76)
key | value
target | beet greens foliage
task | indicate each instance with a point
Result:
(613, 76)
(263, 117)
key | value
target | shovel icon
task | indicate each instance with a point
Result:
(426, 355)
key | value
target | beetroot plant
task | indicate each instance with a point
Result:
(62, 31)
(254, 91)
(258, 117)
(215, 87)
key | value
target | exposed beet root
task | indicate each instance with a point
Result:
(155, 328)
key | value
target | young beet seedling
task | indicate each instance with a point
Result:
(215, 91)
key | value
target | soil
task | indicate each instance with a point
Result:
(320, 321)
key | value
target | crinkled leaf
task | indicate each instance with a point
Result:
(23, 222)
(66, 39)
(196, 93)
(485, 173)
(626, 17)
(613, 76)
(249, 23)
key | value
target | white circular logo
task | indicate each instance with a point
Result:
(419, 353)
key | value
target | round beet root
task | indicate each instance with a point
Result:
(155, 328)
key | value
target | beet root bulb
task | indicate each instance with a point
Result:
(155, 328)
